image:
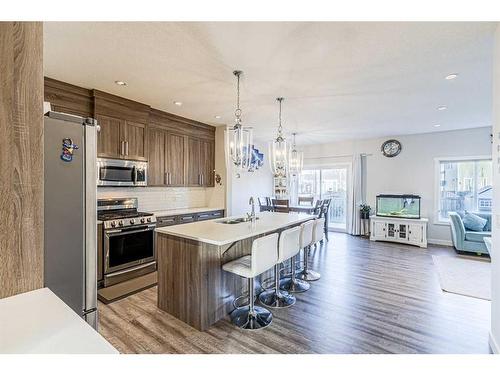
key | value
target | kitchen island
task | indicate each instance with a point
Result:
(191, 283)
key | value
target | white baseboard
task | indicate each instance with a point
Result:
(435, 241)
(493, 344)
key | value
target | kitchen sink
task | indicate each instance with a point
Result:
(236, 220)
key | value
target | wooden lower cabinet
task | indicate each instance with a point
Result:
(165, 221)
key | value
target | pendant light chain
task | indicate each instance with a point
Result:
(280, 127)
(238, 111)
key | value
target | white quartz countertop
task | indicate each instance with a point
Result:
(216, 233)
(184, 211)
(39, 322)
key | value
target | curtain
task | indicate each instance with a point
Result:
(357, 193)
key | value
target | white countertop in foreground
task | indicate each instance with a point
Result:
(216, 233)
(184, 211)
(39, 322)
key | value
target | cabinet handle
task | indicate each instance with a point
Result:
(126, 148)
(202, 178)
(169, 178)
(165, 178)
(122, 151)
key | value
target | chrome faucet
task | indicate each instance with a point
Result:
(251, 216)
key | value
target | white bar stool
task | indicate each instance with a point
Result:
(293, 284)
(307, 233)
(318, 231)
(264, 256)
(288, 243)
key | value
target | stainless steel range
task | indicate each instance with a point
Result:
(129, 249)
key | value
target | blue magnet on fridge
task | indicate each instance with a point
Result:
(67, 149)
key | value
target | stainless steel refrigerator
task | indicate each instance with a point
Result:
(70, 218)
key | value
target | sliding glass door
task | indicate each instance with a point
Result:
(328, 182)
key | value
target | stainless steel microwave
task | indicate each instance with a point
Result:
(112, 172)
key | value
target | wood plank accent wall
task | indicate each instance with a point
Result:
(21, 157)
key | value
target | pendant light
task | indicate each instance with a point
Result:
(279, 150)
(296, 159)
(239, 138)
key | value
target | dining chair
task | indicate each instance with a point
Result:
(263, 204)
(325, 207)
(281, 205)
(317, 208)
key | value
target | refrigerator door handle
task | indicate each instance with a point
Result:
(90, 282)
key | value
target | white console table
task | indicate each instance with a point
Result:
(408, 231)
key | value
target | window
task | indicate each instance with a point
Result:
(463, 185)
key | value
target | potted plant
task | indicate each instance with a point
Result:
(365, 210)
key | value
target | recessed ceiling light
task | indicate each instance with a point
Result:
(178, 103)
(437, 125)
(442, 108)
(217, 117)
(121, 83)
(451, 76)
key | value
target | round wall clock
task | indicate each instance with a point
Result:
(391, 148)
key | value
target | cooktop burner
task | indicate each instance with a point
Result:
(121, 214)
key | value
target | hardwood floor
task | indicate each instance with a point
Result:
(373, 297)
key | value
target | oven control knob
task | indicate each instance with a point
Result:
(149, 220)
(120, 223)
(132, 221)
(113, 224)
(143, 220)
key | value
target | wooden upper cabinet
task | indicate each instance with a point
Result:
(109, 138)
(156, 151)
(175, 159)
(167, 158)
(180, 151)
(194, 162)
(201, 162)
(123, 124)
(207, 152)
(135, 141)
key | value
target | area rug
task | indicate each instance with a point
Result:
(465, 276)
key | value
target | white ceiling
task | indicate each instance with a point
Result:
(340, 80)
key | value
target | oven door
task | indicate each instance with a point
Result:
(128, 247)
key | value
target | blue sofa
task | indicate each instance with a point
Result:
(466, 240)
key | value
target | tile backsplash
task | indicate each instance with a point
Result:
(159, 198)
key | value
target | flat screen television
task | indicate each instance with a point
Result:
(405, 206)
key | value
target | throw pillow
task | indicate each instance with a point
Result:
(473, 222)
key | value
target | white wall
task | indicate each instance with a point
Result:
(495, 261)
(255, 184)
(412, 171)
